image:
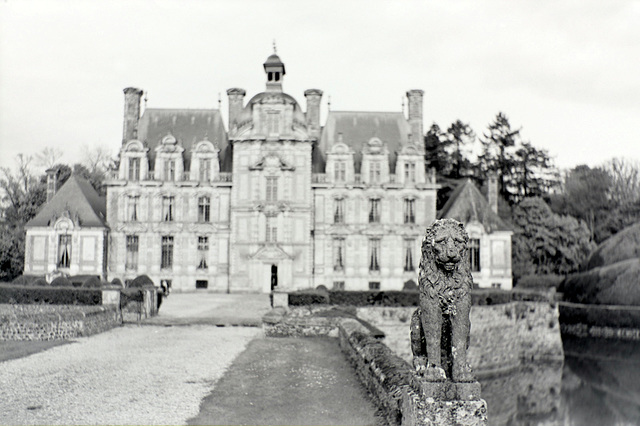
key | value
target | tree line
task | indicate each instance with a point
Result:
(557, 217)
(24, 190)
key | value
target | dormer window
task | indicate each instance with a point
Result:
(170, 170)
(64, 251)
(134, 169)
(410, 172)
(340, 171)
(273, 122)
(205, 170)
(375, 172)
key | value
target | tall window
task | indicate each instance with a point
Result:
(167, 208)
(132, 252)
(132, 208)
(340, 171)
(134, 169)
(271, 230)
(272, 188)
(408, 255)
(409, 211)
(374, 253)
(64, 251)
(167, 252)
(203, 252)
(204, 209)
(338, 254)
(374, 210)
(338, 214)
(205, 170)
(374, 172)
(410, 172)
(170, 170)
(273, 122)
(474, 254)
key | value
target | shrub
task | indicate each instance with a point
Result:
(617, 317)
(141, 281)
(39, 282)
(92, 282)
(50, 295)
(540, 281)
(615, 284)
(308, 297)
(78, 280)
(481, 297)
(61, 281)
(118, 282)
(25, 279)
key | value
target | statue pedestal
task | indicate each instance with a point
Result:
(447, 390)
(445, 403)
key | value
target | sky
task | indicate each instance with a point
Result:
(566, 72)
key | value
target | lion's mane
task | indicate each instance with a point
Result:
(434, 283)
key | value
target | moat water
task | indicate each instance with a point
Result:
(598, 384)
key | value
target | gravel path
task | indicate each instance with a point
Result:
(129, 375)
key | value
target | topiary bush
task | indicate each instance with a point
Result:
(141, 281)
(61, 281)
(118, 282)
(92, 282)
(541, 282)
(49, 295)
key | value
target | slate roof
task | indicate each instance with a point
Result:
(358, 128)
(79, 199)
(188, 126)
(467, 204)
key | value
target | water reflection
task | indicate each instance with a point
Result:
(599, 384)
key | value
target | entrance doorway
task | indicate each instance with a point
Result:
(274, 276)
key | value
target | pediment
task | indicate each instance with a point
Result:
(272, 161)
(270, 252)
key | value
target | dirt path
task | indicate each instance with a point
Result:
(288, 381)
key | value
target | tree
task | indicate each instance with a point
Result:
(460, 136)
(545, 242)
(585, 197)
(48, 157)
(497, 152)
(22, 195)
(436, 155)
(533, 174)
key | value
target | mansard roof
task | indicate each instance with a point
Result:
(188, 126)
(79, 200)
(358, 127)
(246, 115)
(467, 204)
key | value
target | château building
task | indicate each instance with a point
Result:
(276, 197)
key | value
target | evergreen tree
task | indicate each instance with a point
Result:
(460, 136)
(498, 153)
(533, 173)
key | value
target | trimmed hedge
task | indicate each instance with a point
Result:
(541, 282)
(49, 295)
(600, 316)
(479, 297)
(141, 281)
(61, 282)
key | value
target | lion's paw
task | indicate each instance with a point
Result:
(434, 374)
(420, 364)
(462, 374)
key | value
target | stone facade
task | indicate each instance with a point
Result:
(276, 199)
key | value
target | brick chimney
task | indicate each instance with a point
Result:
(52, 183)
(236, 100)
(492, 192)
(132, 97)
(314, 96)
(414, 104)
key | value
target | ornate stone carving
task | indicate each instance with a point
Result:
(440, 326)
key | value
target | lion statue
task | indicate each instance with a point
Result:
(440, 326)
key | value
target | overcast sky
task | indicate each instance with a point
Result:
(567, 72)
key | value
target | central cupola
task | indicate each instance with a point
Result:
(275, 72)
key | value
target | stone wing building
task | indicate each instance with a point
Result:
(69, 234)
(277, 199)
(489, 235)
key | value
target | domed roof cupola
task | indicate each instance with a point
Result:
(275, 72)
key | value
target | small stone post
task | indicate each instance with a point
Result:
(449, 392)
